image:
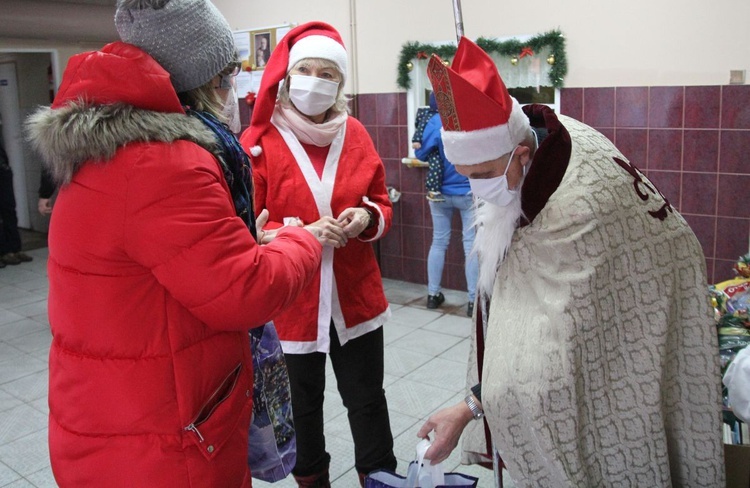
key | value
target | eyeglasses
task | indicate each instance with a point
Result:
(225, 79)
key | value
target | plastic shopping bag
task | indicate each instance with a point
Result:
(272, 449)
(420, 474)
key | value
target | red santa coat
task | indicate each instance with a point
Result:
(348, 287)
(153, 284)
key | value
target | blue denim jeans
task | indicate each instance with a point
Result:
(442, 215)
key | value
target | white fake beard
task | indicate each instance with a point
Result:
(495, 228)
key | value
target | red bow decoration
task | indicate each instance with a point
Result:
(527, 51)
(422, 55)
(250, 99)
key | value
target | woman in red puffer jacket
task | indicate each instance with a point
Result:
(154, 277)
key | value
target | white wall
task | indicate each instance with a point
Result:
(609, 43)
(61, 50)
(30, 88)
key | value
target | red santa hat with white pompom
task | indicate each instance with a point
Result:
(310, 40)
(481, 121)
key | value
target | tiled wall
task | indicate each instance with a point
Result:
(693, 142)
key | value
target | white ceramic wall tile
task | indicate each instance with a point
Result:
(37, 266)
(458, 353)
(42, 318)
(405, 293)
(440, 373)
(6, 316)
(43, 478)
(425, 361)
(400, 362)
(426, 342)
(8, 401)
(28, 454)
(349, 479)
(37, 307)
(332, 406)
(389, 379)
(452, 325)
(23, 326)
(33, 341)
(403, 296)
(8, 353)
(414, 317)
(19, 422)
(338, 426)
(7, 475)
(15, 297)
(19, 366)
(22, 483)
(41, 405)
(10, 275)
(342, 455)
(29, 388)
(37, 284)
(393, 331)
(408, 397)
(401, 422)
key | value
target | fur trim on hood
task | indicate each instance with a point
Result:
(68, 137)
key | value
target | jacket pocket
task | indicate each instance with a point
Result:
(217, 418)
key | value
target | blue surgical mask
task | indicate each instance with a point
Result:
(495, 190)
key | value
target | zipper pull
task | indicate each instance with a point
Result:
(193, 428)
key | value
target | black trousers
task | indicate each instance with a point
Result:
(358, 366)
(10, 239)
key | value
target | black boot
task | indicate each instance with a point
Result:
(434, 301)
(317, 480)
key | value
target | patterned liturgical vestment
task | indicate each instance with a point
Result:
(601, 359)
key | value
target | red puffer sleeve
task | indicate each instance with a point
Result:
(180, 224)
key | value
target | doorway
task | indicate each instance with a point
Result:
(26, 82)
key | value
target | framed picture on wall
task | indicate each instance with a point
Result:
(262, 43)
(254, 47)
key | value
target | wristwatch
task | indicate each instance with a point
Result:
(477, 412)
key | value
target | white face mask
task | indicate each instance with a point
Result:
(312, 95)
(495, 190)
(231, 111)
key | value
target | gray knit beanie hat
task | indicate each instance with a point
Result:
(188, 38)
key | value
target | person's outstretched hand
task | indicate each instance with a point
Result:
(354, 221)
(328, 231)
(44, 206)
(264, 237)
(447, 424)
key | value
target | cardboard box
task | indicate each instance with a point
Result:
(737, 462)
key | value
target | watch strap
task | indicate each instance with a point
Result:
(476, 412)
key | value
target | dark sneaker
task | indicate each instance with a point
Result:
(434, 301)
(470, 309)
(25, 258)
(2, 264)
(11, 258)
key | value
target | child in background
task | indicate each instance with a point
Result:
(435, 170)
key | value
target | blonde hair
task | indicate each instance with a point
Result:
(205, 98)
(342, 101)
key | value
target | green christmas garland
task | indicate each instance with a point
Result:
(553, 40)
